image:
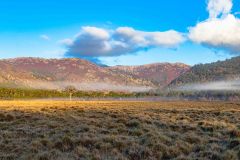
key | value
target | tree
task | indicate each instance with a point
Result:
(71, 90)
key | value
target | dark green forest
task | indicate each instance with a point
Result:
(205, 95)
(13, 93)
(18, 93)
(221, 70)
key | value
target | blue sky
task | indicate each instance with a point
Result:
(36, 28)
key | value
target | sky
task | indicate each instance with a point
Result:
(121, 32)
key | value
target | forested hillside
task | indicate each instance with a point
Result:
(217, 71)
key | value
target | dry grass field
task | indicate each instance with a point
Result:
(119, 130)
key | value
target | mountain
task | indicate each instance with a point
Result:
(217, 71)
(160, 74)
(84, 75)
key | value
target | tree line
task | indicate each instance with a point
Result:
(22, 93)
(70, 92)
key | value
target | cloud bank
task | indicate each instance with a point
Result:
(231, 85)
(60, 85)
(221, 30)
(99, 42)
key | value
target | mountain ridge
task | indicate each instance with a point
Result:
(168, 71)
(58, 73)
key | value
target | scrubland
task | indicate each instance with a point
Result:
(119, 130)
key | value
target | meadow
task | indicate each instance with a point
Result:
(49, 130)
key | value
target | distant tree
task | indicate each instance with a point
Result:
(70, 90)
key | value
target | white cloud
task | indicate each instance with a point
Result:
(219, 7)
(98, 42)
(145, 39)
(218, 32)
(95, 32)
(45, 37)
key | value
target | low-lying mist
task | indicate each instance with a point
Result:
(229, 85)
(89, 86)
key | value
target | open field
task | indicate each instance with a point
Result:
(119, 130)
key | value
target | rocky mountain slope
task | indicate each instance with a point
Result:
(84, 75)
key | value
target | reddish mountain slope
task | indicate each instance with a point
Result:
(159, 73)
(84, 75)
(58, 73)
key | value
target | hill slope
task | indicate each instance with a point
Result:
(218, 71)
(160, 74)
(59, 73)
(84, 75)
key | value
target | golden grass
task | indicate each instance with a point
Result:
(119, 130)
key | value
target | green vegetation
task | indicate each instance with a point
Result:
(17, 93)
(199, 95)
(13, 93)
(220, 70)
